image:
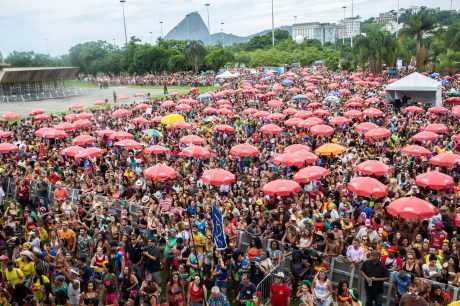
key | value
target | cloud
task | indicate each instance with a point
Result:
(65, 23)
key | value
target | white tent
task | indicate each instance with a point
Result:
(417, 87)
(228, 75)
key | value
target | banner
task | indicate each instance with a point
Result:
(218, 228)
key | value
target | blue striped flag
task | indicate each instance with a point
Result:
(218, 228)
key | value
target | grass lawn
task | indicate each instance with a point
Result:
(78, 84)
(178, 88)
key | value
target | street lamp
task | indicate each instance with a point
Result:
(124, 19)
(352, 23)
(161, 28)
(222, 31)
(295, 20)
(344, 26)
(188, 29)
(151, 38)
(273, 26)
(209, 28)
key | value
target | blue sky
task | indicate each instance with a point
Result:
(57, 25)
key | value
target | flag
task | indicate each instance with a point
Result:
(218, 228)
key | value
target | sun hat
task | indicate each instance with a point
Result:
(280, 274)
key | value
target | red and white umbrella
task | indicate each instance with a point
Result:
(183, 107)
(353, 114)
(103, 133)
(99, 102)
(224, 128)
(272, 129)
(141, 120)
(72, 150)
(11, 116)
(322, 113)
(182, 125)
(142, 106)
(438, 110)
(289, 160)
(90, 152)
(192, 139)
(293, 122)
(311, 173)
(445, 160)
(303, 114)
(76, 106)
(275, 103)
(434, 180)
(139, 94)
(367, 187)
(225, 111)
(196, 152)
(377, 133)
(128, 144)
(260, 114)
(121, 113)
(36, 112)
(425, 136)
(218, 177)
(415, 150)
(296, 148)
(121, 135)
(290, 111)
(210, 110)
(70, 117)
(374, 167)
(249, 111)
(42, 117)
(373, 112)
(411, 208)
(122, 98)
(436, 128)
(413, 109)
(281, 188)
(244, 150)
(84, 115)
(339, 120)
(366, 127)
(65, 126)
(83, 140)
(157, 119)
(157, 150)
(160, 173)
(82, 123)
(8, 148)
(321, 130)
(5, 134)
(167, 104)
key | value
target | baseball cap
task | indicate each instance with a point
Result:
(439, 224)
(367, 222)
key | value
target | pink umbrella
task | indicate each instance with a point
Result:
(315, 105)
(224, 128)
(82, 123)
(244, 150)
(436, 128)
(289, 160)
(434, 180)
(160, 173)
(157, 150)
(310, 122)
(182, 125)
(84, 115)
(121, 112)
(296, 148)
(128, 144)
(308, 157)
(413, 109)
(141, 120)
(72, 150)
(303, 114)
(322, 113)
(196, 152)
(322, 130)
(36, 112)
(167, 104)
(8, 148)
(70, 117)
(173, 94)
(157, 119)
(139, 94)
(122, 98)
(344, 91)
(424, 136)
(192, 139)
(271, 129)
(11, 116)
(218, 177)
(42, 117)
(311, 173)
(353, 114)
(260, 114)
(374, 167)
(339, 120)
(121, 135)
(275, 103)
(377, 133)
(445, 160)
(353, 104)
(411, 208)
(210, 110)
(290, 111)
(53, 133)
(366, 127)
(100, 102)
(293, 122)
(183, 107)
(249, 111)
(438, 110)
(223, 101)
(225, 111)
(103, 133)
(415, 150)
(142, 106)
(5, 134)
(90, 152)
(83, 140)
(276, 116)
(367, 187)
(373, 112)
(76, 106)
(281, 188)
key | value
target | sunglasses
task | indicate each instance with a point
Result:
(410, 258)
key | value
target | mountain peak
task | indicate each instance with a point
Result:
(191, 27)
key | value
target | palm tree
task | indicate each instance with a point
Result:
(375, 48)
(418, 26)
(194, 53)
(452, 37)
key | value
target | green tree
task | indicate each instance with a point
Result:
(217, 58)
(194, 53)
(418, 26)
(452, 37)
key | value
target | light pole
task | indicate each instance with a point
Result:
(161, 28)
(209, 28)
(151, 38)
(352, 24)
(124, 19)
(114, 42)
(188, 28)
(47, 49)
(451, 5)
(222, 33)
(273, 26)
(344, 26)
(295, 20)
(397, 16)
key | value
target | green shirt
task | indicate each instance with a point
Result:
(171, 240)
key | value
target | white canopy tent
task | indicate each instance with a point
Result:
(228, 75)
(417, 87)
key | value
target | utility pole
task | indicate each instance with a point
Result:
(124, 19)
(273, 26)
(161, 28)
(397, 16)
(222, 33)
(209, 28)
(188, 28)
(344, 26)
(151, 38)
(352, 23)
(295, 20)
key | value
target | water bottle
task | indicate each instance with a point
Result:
(370, 283)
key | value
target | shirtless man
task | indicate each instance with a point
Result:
(333, 246)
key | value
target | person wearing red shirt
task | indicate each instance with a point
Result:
(280, 294)
(437, 235)
(53, 177)
(392, 262)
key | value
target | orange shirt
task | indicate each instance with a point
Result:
(61, 193)
(68, 235)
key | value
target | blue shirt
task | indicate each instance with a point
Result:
(218, 301)
(222, 277)
(403, 285)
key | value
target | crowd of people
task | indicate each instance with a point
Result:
(128, 239)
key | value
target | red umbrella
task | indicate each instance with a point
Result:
(42, 117)
(289, 160)
(225, 111)
(434, 180)
(438, 110)
(11, 116)
(310, 122)
(5, 134)
(293, 122)
(83, 140)
(82, 123)
(424, 136)
(367, 187)
(70, 117)
(72, 150)
(271, 129)
(139, 94)
(453, 100)
(445, 160)
(224, 128)
(103, 133)
(315, 105)
(141, 120)
(457, 220)
(142, 106)
(223, 101)
(353, 114)
(415, 150)
(167, 104)
(260, 114)
(344, 91)
(290, 111)
(413, 109)
(353, 104)
(183, 107)
(322, 130)
(65, 126)
(275, 103)
(276, 116)
(218, 177)
(411, 208)
(372, 101)
(366, 127)
(90, 152)
(210, 110)
(182, 125)
(157, 119)
(281, 188)
(310, 158)
(377, 133)
(160, 173)
(84, 115)
(128, 144)
(244, 150)
(309, 174)
(100, 102)
(436, 128)
(192, 139)
(36, 112)
(303, 114)
(373, 167)
(7, 148)
(50, 133)
(322, 113)
(121, 135)
(121, 112)
(296, 148)
(196, 152)
(122, 98)
(249, 111)
(173, 94)
(339, 120)
(157, 150)
(373, 112)
(76, 106)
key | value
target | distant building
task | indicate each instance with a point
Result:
(385, 18)
(350, 27)
(393, 27)
(323, 32)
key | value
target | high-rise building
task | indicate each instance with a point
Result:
(323, 32)
(350, 27)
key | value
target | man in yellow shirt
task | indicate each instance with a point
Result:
(198, 239)
(13, 275)
(69, 235)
